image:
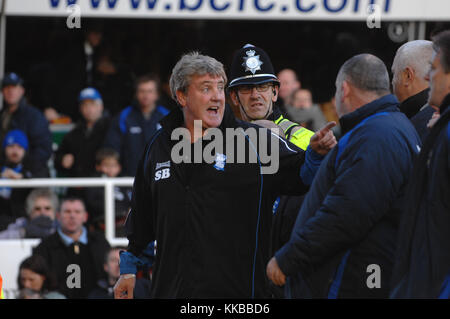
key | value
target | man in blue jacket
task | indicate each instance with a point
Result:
(18, 114)
(343, 243)
(132, 128)
(422, 268)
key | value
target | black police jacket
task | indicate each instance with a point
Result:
(212, 222)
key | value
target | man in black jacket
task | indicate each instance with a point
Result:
(410, 66)
(75, 156)
(73, 253)
(211, 217)
(17, 114)
(423, 264)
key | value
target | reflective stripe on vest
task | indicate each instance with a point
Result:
(294, 133)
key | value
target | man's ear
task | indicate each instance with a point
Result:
(346, 90)
(181, 98)
(234, 98)
(86, 217)
(408, 75)
(275, 94)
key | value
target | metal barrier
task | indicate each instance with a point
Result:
(107, 183)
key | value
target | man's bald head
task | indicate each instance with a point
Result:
(410, 66)
(361, 79)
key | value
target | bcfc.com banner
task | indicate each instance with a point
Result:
(358, 10)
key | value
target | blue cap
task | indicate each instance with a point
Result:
(11, 79)
(89, 94)
(16, 137)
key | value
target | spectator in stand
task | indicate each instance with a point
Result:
(71, 244)
(288, 84)
(17, 114)
(76, 70)
(41, 206)
(107, 164)
(35, 277)
(105, 287)
(303, 111)
(15, 164)
(75, 156)
(134, 126)
(114, 80)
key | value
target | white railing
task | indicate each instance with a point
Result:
(107, 183)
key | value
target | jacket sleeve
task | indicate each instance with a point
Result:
(114, 136)
(40, 140)
(139, 224)
(63, 149)
(295, 167)
(368, 179)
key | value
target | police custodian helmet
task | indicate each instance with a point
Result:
(251, 65)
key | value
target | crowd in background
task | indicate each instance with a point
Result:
(114, 115)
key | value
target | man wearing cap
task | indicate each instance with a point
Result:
(15, 164)
(17, 114)
(75, 156)
(254, 88)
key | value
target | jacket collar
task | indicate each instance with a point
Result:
(276, 113)
(68, 241)
(445, 104)
(412, 105)
(387, 103)
(175, 119)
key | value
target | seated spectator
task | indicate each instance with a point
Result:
(75, 156)
(288, 84)
(15, 164)
(302, 110)
(17, 114)
(105, 287)
(133, 127)
(41, 205)
(107, 164)
(71, 244)
(36, 281)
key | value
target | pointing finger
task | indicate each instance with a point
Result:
(328, 126)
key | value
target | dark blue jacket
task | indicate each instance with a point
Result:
(35, 126)
(423, 264)
(130, 132)
(350, 216)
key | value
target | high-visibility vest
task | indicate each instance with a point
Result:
(294, 132)
(2, 296)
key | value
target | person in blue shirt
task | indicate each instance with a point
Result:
(134, 126)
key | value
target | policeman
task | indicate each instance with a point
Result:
(211, 220)
(254, 89)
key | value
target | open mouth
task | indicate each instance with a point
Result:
(213, 109)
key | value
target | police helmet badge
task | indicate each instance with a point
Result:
(252, 62)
